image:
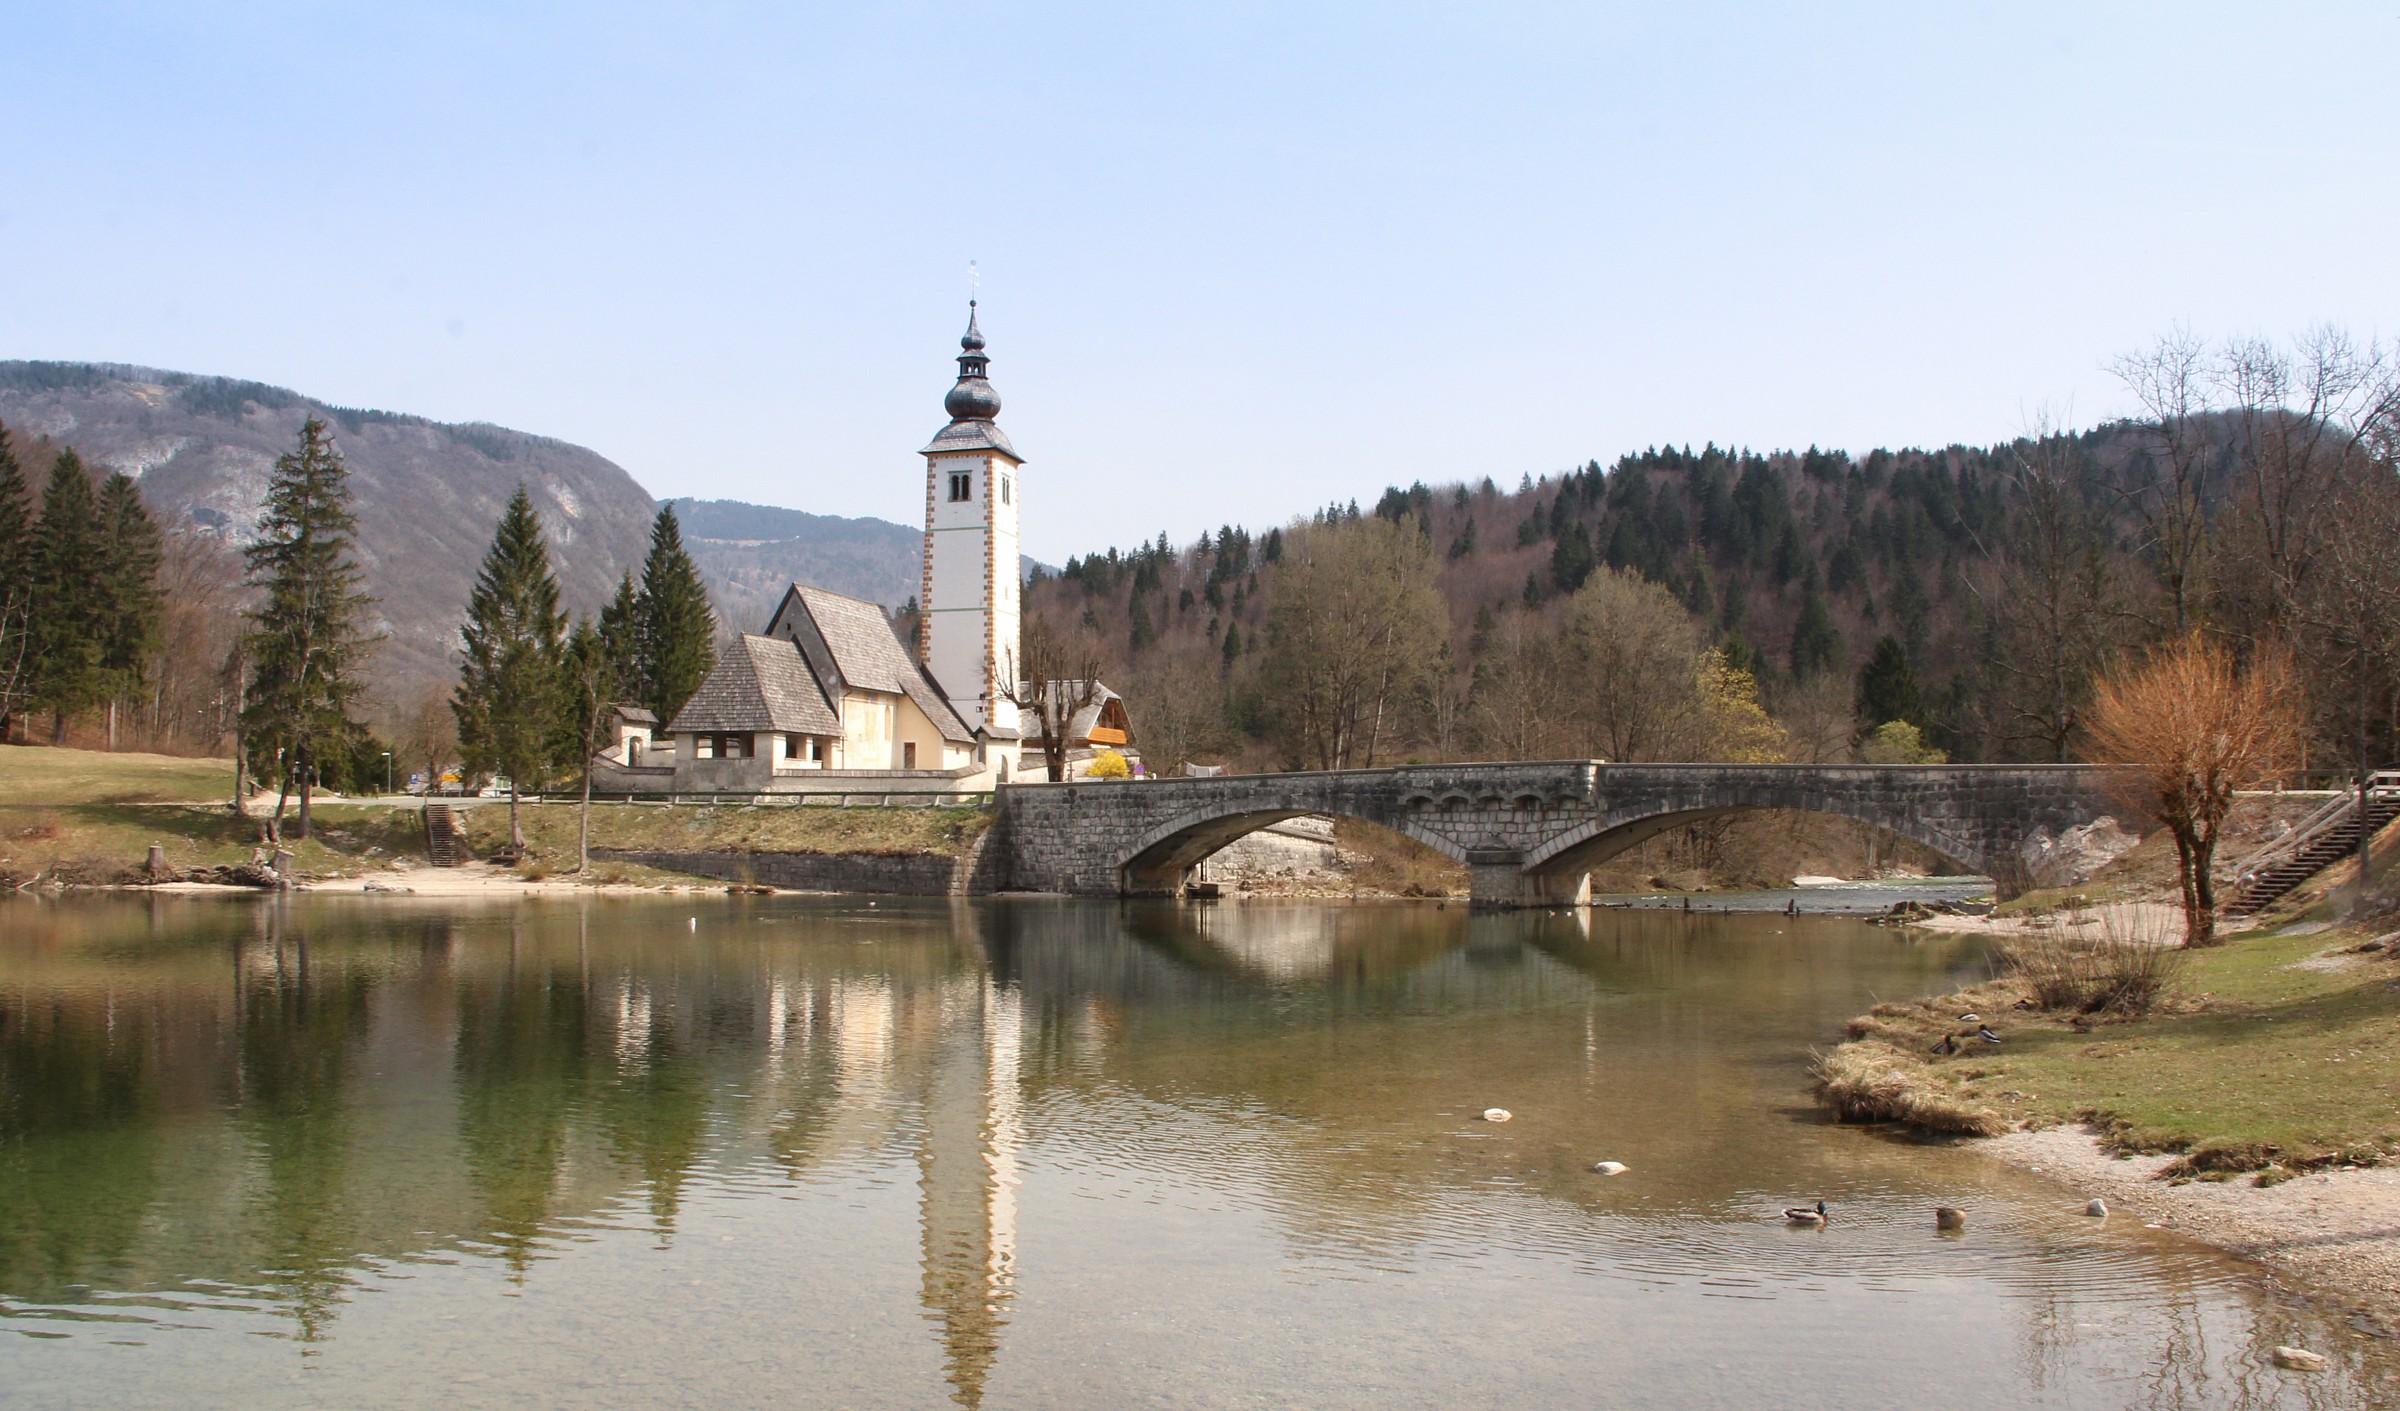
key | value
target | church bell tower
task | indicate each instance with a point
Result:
(967, 630)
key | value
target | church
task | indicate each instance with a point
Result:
(828, 698)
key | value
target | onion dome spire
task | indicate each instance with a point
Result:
(973, 398)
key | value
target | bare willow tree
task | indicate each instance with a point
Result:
(1357, 620)
(2192, 725)
(1053, 677)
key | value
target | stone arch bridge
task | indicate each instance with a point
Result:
(1529, 833)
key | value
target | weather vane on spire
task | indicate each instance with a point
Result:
(974, 283)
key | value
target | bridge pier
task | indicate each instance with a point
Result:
(1497, 881)
(1152, 881)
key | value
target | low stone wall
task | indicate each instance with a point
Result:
(894, 874)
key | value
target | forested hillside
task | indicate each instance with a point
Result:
(1970, 591)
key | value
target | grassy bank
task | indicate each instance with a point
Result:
(94, 844)
(2274, 1052)
(550, 829)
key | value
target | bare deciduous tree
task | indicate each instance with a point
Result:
(2049, 593)
(2166, 487)
(1627, 656)
(1357, 621)
(1055, 677)
(2192, 725)
(1182, 712)
(1515, 699)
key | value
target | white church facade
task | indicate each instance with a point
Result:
(829, 699)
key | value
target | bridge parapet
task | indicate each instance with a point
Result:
(1530, 832)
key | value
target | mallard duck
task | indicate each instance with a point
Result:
(1985, 1033)
(1808, 1215)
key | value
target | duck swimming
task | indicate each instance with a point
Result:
(1808, 1215)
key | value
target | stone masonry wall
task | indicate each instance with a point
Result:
(1533, 821)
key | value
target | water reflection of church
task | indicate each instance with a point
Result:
(952, 1049)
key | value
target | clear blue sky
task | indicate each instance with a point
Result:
(1239, 260)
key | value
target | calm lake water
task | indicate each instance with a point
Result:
(785, 1152)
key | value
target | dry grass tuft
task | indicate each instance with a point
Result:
(1871, 1080)
(2125, 971)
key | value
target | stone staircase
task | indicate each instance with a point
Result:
(443, 842)
(2319, 841)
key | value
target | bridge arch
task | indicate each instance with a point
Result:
(1159, 857)
(1590, 843)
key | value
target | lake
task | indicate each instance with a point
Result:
(733, 1152)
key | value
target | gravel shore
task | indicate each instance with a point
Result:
(2332, 1236)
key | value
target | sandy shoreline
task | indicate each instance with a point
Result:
(468, 880)
(2332, 1237)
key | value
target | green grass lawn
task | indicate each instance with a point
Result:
(32, 774)
(2271, 1062)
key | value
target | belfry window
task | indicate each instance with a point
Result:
(962, 485)
(1004, 488)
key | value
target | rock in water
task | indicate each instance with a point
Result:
(1497, 1114)
(2096, 1208)
(2299, 1359)
(1611, 1168)
(1949, 1217)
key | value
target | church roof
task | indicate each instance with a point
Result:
(759, 684)
(868, 656)
(971, 436)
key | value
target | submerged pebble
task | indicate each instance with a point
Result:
(1611, 1168)
(1949, 1217)
(2096, 1208)
(1497, 1114)
(2299, 1359)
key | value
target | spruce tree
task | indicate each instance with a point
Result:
(16, 587)
(131, 608)
(308, 634)
(678, 629)
(620, 632)
(1816, 642)
(1887, 687)
(511, 683)
(66, 626)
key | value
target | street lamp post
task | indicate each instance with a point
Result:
(387, 774)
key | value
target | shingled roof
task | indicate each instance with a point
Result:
(971, 436)
(759, 684)
(868, 655)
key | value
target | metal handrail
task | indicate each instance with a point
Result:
(2332, 815)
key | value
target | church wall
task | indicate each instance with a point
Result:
(959, 543)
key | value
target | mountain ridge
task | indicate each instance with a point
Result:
(427, 495)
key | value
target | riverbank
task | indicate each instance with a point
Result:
(2254, 1105)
